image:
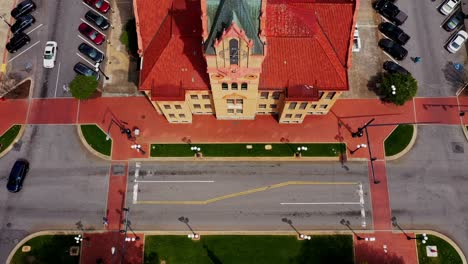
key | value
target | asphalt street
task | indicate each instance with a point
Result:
(65, 185)
(56, 20)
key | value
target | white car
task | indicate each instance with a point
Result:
(50, 54)
(457, 41)
(449, 6)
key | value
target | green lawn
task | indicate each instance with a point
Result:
(47, 250)
(96, 138)
(240, 150)
(249, 250)
(7, 138)
(447, 254)
(398, 140)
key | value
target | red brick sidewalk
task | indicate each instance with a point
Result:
(116, 196)
(398, 249)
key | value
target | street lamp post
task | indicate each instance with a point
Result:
(196, 149)
(289, 222)
(393, 89)
(4, 20)
(357, 148)
(98, 68)
(185, 220)
(347, 224)
(408, 237)
(359, 132)
(300, 150)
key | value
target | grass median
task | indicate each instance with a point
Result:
(96, 138)
(446, 253)
(399, 139)
(249, 249)
(248, 150)
(47, 249)
(8, 137)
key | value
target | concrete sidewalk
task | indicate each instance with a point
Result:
(5, 9)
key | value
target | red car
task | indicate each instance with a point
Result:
(100, 5)
(91, 33)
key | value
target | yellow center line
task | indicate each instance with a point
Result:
(247, 192)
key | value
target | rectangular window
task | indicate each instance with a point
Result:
(194, 97)
(181, 115)
(276, 95)
(330, 95)
(262, 106)
(196, 106)
(206, 97)
(288, 115)
(292, 106)
(320, 95)
(323, 106)
(303, 106)
(298, 116)
(230, 111)
(178, 107)
(167, 107)
(230, 101)
(273, 106)
(239, 101)
(171, 115)
(313, 106)
(264, 95)
(234, 86)
(224, 86)
(244, 86)
(208, 106)
(239, 111)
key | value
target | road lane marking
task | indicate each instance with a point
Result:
(24, 51)
(324, 203)
(175, 181)
(93, 27)
(83, 58)
(56, 82)
(34, 29)
(91, 44)
(247, 192)
(135, 193)
(361, 202)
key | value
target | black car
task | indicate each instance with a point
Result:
(82, 69)
(22, 23)
(91, 52)
(394, 32)
(23, 8)
(393, 67)
(97, 20)
(17, 42)
(394, 49)
(390, 11)
(17, 175)
(454, 21)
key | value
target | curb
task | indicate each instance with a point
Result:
(407, 148)
(446, 238)
(88, 147)
(17, 138)
(263, 159)
(465, 130)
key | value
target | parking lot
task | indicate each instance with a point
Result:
(57, 21)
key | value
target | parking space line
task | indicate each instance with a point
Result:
(24, 51)
(324, 203)
(35, 29)
(93, 27)
(388, 55)
(104, 15)
(56, 82)
(83, 58)
(91, 44)
(175, 181)
(361, 202)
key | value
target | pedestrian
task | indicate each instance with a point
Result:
(105, 221)
(417, 59)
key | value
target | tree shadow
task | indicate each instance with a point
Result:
(214, 259)
(373, 84)
(326, 249)
(371, 255)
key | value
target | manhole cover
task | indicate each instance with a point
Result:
(457, 147)
(118, 169)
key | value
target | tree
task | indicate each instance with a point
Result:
(399, 88)
(83, 87)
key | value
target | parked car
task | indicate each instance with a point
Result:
(393, 49)
(23, 8)
(17, 175)
(17, 42)
(97, 20)
(100, 5)
(454, 21)
(50, 54)
(22, 23)
(448, 6)
(394, 32)
(83, 69)
(390, 11)
(91, 52)
(457, 41)
(91, 33)
(393, 67)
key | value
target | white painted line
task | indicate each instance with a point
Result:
(91, 44)
(330, 203)
(35, 29)
(93, 27)
(83, 58)
(388, 55)
(366, 26)
(363, 209)
(135, 193)
(24, 51)
(175, 181)
(56, 82)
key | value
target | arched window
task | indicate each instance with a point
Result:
(224, 86)
(234, 86)
(244, 86)
(234, 51)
